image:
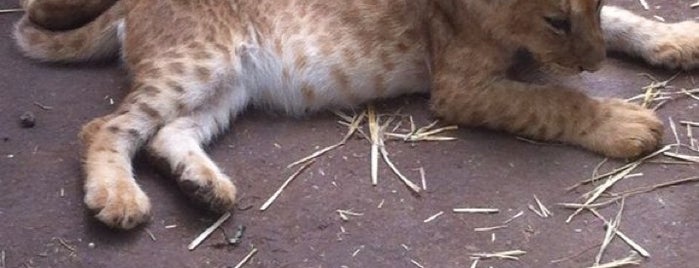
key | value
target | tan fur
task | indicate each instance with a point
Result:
(196, 64)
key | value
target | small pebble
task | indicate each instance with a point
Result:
(27, 120)
(91, 245)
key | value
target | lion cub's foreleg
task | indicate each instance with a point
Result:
(472, 95)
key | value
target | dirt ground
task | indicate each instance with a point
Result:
(43, 222)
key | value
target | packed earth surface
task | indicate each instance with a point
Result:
(44, 223)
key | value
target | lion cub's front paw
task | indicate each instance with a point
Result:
(676, 48)
(625, 131)
(121, 205)
(208, 187)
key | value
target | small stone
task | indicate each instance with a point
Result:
(91, 245)
(27, 120)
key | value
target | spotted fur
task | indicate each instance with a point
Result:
(196, 64)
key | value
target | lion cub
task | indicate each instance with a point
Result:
(197, 64)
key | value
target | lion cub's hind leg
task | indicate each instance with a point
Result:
(60, 15)
(671, 45)
(180, 100)
(180, 142)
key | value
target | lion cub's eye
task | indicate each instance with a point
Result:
(560, 25)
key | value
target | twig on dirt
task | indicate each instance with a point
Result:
(505, 255)
(695, 5)
(612, 230)
(692, 140)
(353, 125)
(519, 214)
(43, 107)
(545, 211)
(597, 192)
(416, 263)
(674, 133)
(2, 259)
(422, 178)
(354, 254)
(476, 210)
(170, 226)
(246, 259)
(195, 243)
(11, 10)
(433, 217)
(65, 244)
(630, 193)
(689, 93)
(374, 136)
(343, 214)
(577, 254)
(632, 259)
(530, 141)
(475, 262)
(595, 171)
(684, 157)
(425, 133)
(690, 123)
(635, 246)
(533, 209)
(406, 181)
(491, 228)
(623, 168)
(286, 183)
(644, 4)
(152, 236)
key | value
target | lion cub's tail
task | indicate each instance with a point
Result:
(95, 40)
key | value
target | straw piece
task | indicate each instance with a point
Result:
(150, 234)
(635, 246)
(644, 4)
(195, 243)
(685, 157)
(519, 214)
(630, 193)
(246, 258)
(637, 162)
(674, 133)
(374, 136)
(286, 183)
(630, 260)
(65, 244)
(491, 228)
(610, 233)
(431, 218)
(475, 262)
(11, 10)
(416, 263)
(506, 255)
(597, 192)
(476, 210)
(353, 125)
(406, 181)
(545, 211)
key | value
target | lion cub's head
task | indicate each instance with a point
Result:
(564, 35)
